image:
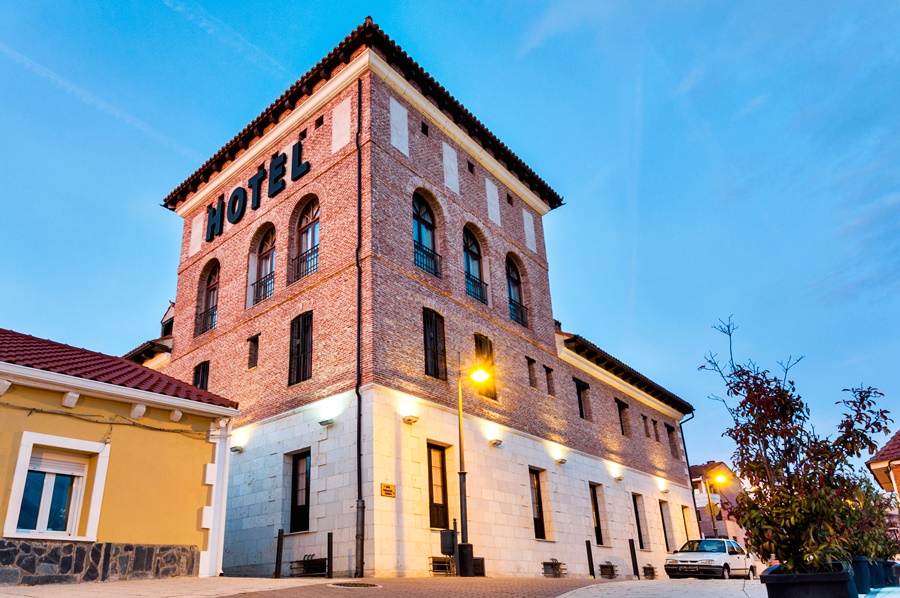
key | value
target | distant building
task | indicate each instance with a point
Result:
(157, 353)
(716, 489)
(345, 259)
(108, 470)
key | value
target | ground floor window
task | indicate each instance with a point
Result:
(437, 487)
(638, 502)
(300, 491)
(537, 504)
(598, 508)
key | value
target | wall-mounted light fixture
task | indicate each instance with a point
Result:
(237, 449)
(495, 442)
(665, 491)
(410, 419)
(619, 478)
(561, 461)
(326, 422)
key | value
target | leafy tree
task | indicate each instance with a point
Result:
(800, 506)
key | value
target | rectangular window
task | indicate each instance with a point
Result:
(624, 421)
(532, 372)
(300, 492)
(656, 430)
(484, 357)
(252, 351)
(301, 349)
(551, 388)
(437, 487)
(638, 502)
(166, 327)
(201, 375)
(51, 500)
(673, 441)
(435, 350)
(666, 519)
(646, 421)
(582, 391)
(537, 504)
(598, 507)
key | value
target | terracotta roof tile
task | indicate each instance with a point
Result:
(889, 451)
(41, 354)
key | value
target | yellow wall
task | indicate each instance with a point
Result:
(154, 485)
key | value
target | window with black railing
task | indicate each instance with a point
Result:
(207, 307)
(476, 288)
(304, 264)
(428, 260)
(518, 313)
(206, 321)
(263, 288)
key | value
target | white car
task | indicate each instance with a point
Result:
(711, 557)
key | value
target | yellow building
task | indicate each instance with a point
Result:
(108, 470)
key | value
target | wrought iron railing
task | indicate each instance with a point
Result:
(428, 260)
(477, 288)
(263, 288)
(205, 320)
(518, 313)
(304, 264)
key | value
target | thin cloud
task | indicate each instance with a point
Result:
(691, 80)
(754, 105)
(90, 99)
(228, 37)
(559, 18)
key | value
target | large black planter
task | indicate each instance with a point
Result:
(876, 566)
(862, 575)
(837, 584)
(889, 578)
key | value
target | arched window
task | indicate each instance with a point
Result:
(517, 311)
(475, 286)
(423, 237)
(265, 268)
(307, 260)
(207, 308)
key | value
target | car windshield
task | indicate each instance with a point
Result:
(703, 546)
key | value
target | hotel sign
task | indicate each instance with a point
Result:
(237, 202)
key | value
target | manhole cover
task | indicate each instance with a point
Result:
(354, 584)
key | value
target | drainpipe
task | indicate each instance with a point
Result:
(688, 461)
(360, 502)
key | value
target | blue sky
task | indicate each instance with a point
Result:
(716, 158)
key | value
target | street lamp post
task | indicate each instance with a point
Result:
(466, 552)
(719, 479)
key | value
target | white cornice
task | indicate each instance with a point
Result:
(370, 61)
(26, 376)
(583, 364)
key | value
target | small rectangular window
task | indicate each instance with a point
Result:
(509, 199)
(301, 349)
(532, 372)
(624, 420)
(638, 502)
(252, 351)
(699, 518)
(537, 504)
(300, 491)
(666, 519)
(646, 421)
(484, 357)
(424, 129)
(51, 499)
(582, 391)
(673, 441)
(656, 430)
(437, 487)
(320, 121)
(598, 506)
(166, 327)
(551, 388)
(435, 350)
(201, 375)
(302, 134)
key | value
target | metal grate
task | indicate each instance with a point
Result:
(428, 260)
(304, 264)
(263, 288)
(477, 288)
(206, 320)
(518, 313)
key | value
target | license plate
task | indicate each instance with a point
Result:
(689, 569)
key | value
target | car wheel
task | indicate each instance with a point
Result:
(726, 574)
(751, 574)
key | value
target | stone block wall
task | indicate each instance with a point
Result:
(28, 562)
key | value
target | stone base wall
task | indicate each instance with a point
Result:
(34, 563)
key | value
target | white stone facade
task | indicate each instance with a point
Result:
(399, 538)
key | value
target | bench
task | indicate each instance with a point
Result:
(309, 566)
(609, 571)
(441, 565)
(553, 568)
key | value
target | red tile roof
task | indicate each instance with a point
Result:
(41, 354)
(889, 451)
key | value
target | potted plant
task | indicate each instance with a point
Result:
(797, 507)
(871, 541)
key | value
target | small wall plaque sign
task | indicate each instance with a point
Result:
(389, 490)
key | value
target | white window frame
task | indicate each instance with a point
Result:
(36, 445)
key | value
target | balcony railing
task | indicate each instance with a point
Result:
(518, 313)
(304, 264)
(428, 260)
(205, 321)
(477, 288)
(263, 288)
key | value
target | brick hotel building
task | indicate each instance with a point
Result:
(343, 258)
